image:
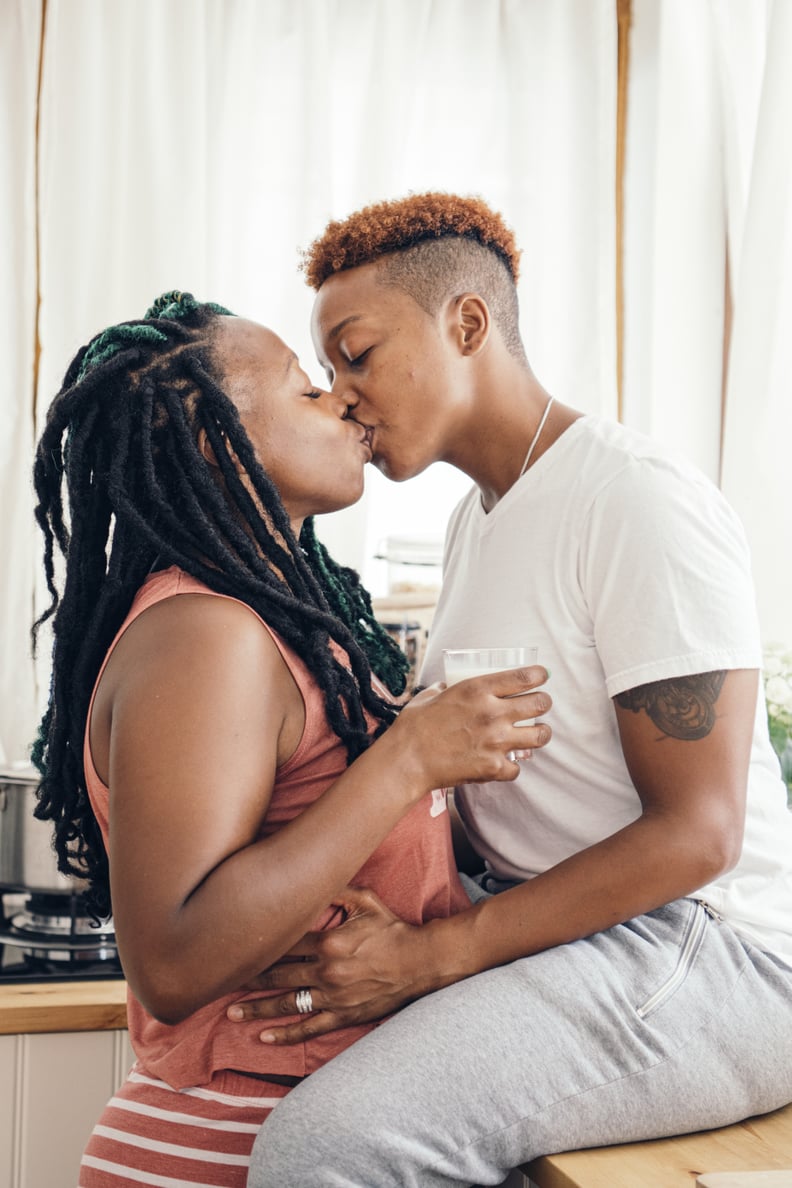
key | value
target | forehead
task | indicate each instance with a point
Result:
(241, 343)
(250, 357)
(357, 295)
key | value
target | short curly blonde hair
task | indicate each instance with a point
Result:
(402, 223)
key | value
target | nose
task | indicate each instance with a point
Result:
(340, 402)
(344, 397)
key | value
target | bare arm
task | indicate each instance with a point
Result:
(194, 713)
(687, 745)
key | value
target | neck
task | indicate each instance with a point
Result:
(504, 418)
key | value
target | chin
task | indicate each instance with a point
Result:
(350, 499)
(401, 471)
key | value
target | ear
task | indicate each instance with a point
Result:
(205, 447)
(471, 322)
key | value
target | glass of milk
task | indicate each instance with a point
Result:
(462, 663)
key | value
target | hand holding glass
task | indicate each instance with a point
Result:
(462, 663)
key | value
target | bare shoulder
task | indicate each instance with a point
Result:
(205, 646)
(198, 609)
(191, 625)
(195, 657)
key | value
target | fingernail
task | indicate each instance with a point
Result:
(235, 1012)
(267, 1037)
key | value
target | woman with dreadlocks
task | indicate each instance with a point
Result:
(214, 755)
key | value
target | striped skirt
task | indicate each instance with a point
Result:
(152, 1134)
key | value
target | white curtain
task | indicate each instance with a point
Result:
(709, 177)
(675, 238)
(19, 63)
(199, 144)
(756, 464)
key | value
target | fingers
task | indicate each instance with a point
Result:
(513, 681)
(530, 736)
(307, 1026)
(297, 1033)
(287, 975)
(297, 1002)
(304, 1027)
(518, 685)
(321, 1020)
(539, 734)
(462, 734)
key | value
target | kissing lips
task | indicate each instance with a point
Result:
(366, 438)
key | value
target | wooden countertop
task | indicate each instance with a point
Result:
(757, 1143)
(28, 1007)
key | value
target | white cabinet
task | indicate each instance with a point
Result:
(53, 1087)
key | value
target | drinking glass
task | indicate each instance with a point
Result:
(462, 663)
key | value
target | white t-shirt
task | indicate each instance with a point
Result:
(625, 565)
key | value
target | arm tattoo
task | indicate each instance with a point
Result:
(683, 707)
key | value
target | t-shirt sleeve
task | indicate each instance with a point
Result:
(665, 571)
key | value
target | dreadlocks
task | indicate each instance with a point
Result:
(122, 433)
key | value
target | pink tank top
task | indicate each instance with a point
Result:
(413, 872)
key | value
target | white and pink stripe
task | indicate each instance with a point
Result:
(150, 1134)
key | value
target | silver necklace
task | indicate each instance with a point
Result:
(535, 438)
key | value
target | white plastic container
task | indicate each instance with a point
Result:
(414, 563)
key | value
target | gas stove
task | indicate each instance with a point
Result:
(51, 937)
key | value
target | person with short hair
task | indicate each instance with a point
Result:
(222, 757)
(625, 971)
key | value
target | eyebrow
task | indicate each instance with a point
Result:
(292, 359)
(334, 333)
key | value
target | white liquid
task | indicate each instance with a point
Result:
(454, 673)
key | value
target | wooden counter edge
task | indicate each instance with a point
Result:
(762, 1142)
(28, 1008)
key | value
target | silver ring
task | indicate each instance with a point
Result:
(512, 756)
(303, 1002)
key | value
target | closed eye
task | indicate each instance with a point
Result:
(313, 394)
(358, 359)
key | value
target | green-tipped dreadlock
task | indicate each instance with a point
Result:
(115, 338)
(352, 603)
(122, 434)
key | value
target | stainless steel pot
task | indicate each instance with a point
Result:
(27, 859)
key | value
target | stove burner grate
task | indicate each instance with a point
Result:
(53, 936)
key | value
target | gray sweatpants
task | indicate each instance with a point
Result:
(663, 1025)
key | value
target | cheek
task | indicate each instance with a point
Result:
(285, 456)
(414, 376)
(260, 430)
